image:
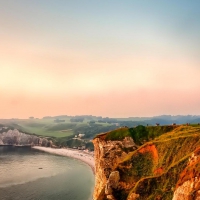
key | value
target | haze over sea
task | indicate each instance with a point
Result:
(30, 174)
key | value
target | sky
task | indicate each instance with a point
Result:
(108, 58)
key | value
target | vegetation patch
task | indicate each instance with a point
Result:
(118, 134)
(159, 165)
(140, 134)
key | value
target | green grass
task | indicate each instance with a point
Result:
(48, 128)
(42, 127)
(174, 149)
(161, 161)
(140, 134)
(118, 134)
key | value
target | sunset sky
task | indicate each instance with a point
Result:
(102, 57)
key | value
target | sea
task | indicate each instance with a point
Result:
(30, 174)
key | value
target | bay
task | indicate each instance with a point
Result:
(29, 174)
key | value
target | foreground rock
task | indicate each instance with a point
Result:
(163, 163)
(107, 155)
(188, 186)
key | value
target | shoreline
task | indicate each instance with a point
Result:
(77, 154)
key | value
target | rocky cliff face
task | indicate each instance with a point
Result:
(107, 156)
(188, 186)
(15, 137)
(165, 168)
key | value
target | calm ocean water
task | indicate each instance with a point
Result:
(61, 178)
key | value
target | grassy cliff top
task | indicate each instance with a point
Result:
(160, 164)
(140, 134)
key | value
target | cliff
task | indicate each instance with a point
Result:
(15, 137)
(148, 163)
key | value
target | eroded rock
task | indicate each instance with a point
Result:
(15, 137)
(107, 155)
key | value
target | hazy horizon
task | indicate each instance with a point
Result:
(104, 58)
(129, 117)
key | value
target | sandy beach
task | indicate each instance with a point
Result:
(86, 157)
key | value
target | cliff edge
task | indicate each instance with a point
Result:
(141, 163)
(15, 137)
